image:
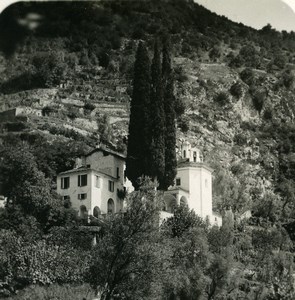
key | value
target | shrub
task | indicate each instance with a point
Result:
(247, 75)
(268, 114)
(240, 139)
(236, 62)
(65, 292)
(47, 110)
(236, 90)
(222, 98)
(16, 126)
(183, 123)
(288, 78)
(258, 97)
(215, 53)
(25, 263)
(89, 106)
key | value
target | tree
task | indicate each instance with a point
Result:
(104, 129)
(123, 261)
(29, 191)
(139, 117)
(184, 235)
(170, 126)
(156, 163)
(183, 219)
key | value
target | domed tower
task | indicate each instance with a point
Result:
(193, 184)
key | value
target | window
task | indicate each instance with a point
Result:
(82, 196)
(97, 181)
(195, 156)
(82, 180)
(67, 197)
(111, 206)
(184, 154)
(178, 181)
(83, 212)
(65, 182)
(96, 212)
(118, 172)
(111, 186)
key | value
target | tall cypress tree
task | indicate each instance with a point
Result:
(139, 119)
(156, 166)
(170, 129)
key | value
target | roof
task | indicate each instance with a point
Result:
(85, 169)
(108, 151)
(186, 163)
(172, 189)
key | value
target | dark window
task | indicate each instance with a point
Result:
(195, 156)
(118, 172)
(67, 197)
(65, 182)
(178, 181)
(96, 212)
(111, 186)
(111, 206)
(83, 212)
(184, 154)
(97, 181)
(82, 196)
(82, 180)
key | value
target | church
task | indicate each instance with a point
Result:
(97, 184)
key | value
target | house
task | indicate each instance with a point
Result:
(97, 183)
(2, 201)
(193, 185)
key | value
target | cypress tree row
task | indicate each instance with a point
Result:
(157, 120)
(152, 131)
(170, 128)
(138, 126)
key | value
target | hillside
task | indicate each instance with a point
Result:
(237, 84)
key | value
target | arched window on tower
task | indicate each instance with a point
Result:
(195, 156)
(111, 206)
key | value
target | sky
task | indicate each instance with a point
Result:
(255, 13)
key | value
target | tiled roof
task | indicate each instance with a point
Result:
(83, 170)
(107, 150)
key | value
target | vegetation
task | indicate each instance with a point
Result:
(152, 113)
(85, 53)
(137, 159)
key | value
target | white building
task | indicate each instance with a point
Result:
(193, 185)
(96, 184)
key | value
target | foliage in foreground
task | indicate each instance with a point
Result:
(56, 292)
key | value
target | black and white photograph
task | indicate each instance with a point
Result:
(147, 150)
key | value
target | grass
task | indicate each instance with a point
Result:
(55, 292)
